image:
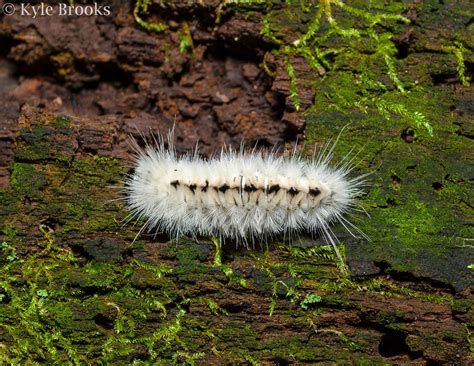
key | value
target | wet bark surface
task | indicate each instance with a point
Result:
(75, 286)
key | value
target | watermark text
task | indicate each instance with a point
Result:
(34, 10)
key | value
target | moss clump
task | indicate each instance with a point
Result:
(48, 141)
(27, 181)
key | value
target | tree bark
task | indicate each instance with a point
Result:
(77, 286)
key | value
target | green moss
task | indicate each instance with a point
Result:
(293, 86)
(185, 39)
(27, 181)
(168, 306)
(227, 270)
(83, 180)
(140, 9)
(417, 196)
(392, 289)
(96, 172)
(7, 253)
(37, 147)
(51, 139)
(309, 300)
(462, 305)
(43, 299)
(63, 124)
(190, 256)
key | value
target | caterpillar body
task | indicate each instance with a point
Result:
(246, 196)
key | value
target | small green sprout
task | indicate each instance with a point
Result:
(42, 293)
(9, 251)
(229, 273)
(310, 299)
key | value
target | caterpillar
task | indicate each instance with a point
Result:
(246, 196)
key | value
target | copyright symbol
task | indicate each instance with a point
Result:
(8, 8)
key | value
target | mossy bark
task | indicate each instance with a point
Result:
(76, 288)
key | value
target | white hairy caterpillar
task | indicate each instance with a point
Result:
(244, 196)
